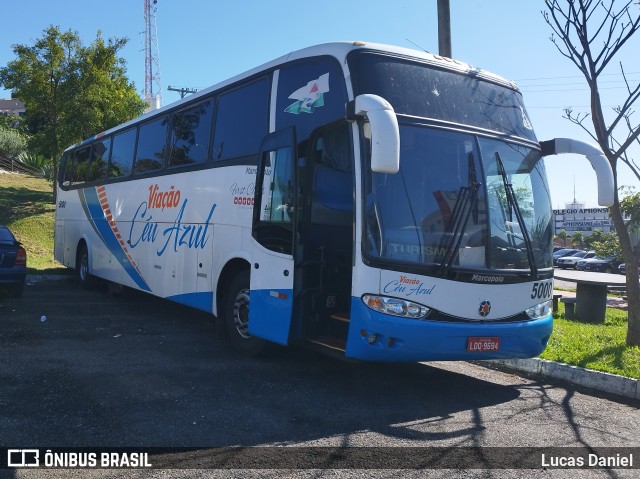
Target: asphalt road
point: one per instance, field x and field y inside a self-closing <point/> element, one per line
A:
<point x="132" y="370"/>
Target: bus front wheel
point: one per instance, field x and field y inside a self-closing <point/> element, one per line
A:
<point x="237" y="317"/>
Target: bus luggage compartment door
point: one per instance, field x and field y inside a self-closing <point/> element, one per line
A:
<point x="271" y="297"/>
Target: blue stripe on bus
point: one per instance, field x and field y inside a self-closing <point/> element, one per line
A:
<point x="202" y="301"/>
<point x="270" y="314"/>
<point x="97" y="218"/>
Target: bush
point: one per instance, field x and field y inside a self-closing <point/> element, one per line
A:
<point x="37" y="163"/>
<point x="12" y="143"/>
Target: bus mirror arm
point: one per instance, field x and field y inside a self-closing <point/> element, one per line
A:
<point x="598" y="161"/>
<point x="385" y="133"/>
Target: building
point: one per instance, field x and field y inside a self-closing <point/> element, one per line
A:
<point x="11" y="107"/>
<point x="575" y="217"/>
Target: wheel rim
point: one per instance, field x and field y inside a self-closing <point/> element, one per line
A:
<point x="84" y="267"/>
<point x="241" y="313"/>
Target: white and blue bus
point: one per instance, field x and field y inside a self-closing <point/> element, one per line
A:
<point x="372" y="202"/>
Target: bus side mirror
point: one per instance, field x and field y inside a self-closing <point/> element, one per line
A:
<point x="382" y="130"/>
<point x="598" y="161"/>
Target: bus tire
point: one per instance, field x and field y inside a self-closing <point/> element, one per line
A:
<point x="82" y="267"/>
<point x="236" y="315"/>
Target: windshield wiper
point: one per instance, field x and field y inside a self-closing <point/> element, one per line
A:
<point x="466" y="205"/>
<point x="512" y="205"/>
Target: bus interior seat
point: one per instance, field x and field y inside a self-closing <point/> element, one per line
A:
<point x="332" y="202"/>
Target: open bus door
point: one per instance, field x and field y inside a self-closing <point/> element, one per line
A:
<point x="272" y="270"/>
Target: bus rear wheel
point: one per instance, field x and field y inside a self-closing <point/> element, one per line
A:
<point x="236" y="315"/>
<point x="82" y="267"/>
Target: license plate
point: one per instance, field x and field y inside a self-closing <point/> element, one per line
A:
<point x="476" y="344"/>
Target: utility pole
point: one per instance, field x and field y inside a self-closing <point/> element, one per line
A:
<point x="444" y="29"/>
<point x="182" y="90"/>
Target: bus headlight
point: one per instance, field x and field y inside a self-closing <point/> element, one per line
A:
<point x="539" y="310"/>
<point x="395" y="306"/>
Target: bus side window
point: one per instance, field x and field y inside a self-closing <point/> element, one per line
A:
<point x="66" y="170"/>
<point x="190" y="134"/>
<point x="241" y="122"/>
<point x="278" y="207"/>
<point x="152" y="146"/>
<point x="80" y="165"/>
<point x="123" y="147"/>
<point x="98" y="161"/>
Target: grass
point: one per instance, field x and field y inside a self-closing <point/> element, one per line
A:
<point x="26" y="207"/>
<point x="601" y="347"/>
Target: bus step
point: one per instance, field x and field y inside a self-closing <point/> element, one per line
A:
<point x="341" y="317"/>
<point x="336" y="344"/>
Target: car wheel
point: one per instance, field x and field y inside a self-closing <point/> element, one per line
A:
<point x="236" y="314"/>
<point x="608" y="269"/>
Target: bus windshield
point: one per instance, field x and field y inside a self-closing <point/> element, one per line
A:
<point x="470" y="195"/>
<point x="421" y="90"/>
<point x="460" y="201"/>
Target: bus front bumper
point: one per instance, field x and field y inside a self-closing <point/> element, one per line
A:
<point x="375" y="336"/>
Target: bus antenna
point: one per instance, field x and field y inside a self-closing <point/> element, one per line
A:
<point x="416" y="45"/>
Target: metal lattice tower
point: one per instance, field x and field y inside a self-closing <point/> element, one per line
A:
<point x="152" y="84"/>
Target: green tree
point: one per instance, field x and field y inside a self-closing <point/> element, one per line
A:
<point x="594" y="237"/>
<point x="630" y="206"/>
<point x="70" y="91"/>
<point x="576" y="239"/>
<point x="107" y="97"/>
<point x="562" y="236"/>
<point x="590" y="34"/>
<point x="11" y="122"/>
<point x="609" y="246"/>
<point x="604" y="244"/>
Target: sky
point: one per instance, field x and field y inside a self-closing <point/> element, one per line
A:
<point x="202" y="42"/>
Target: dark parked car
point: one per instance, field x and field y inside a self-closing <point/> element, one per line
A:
<point x="563" y="252"/>
<point x="603" y="265"/>
<point x="622" y="269"/>
<point x="13" y="263"/>
<point x="580" y="265"/>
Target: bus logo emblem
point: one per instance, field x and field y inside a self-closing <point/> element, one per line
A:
<point x="309" y="96"/>
<point x="484" y="309"/>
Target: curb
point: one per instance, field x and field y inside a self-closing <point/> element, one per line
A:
<point x="605" y="382"/>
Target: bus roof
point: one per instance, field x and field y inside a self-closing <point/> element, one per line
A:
<point x="339" y="50"/>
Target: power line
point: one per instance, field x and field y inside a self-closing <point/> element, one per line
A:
<point x="571" y="86"/>
<point x="571" y="83"/>
<point x="529" y="107"/>
<point x="572" y="89"/>
<point x="573" y="76"/>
